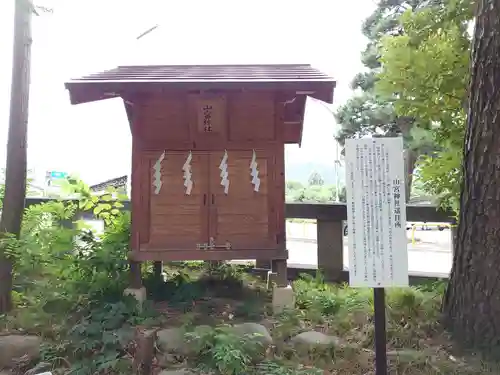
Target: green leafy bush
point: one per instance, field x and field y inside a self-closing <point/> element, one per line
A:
<point x="68" y="283"/>
<point x="223" y="350"/>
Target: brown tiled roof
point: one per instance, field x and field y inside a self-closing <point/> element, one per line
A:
<point x="198" y="73"/>
<point x="300" y="77"/>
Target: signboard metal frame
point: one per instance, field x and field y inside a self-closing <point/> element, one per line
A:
<point x="376" y="216"/>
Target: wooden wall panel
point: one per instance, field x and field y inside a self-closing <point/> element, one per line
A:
<point x="251" y="116"/>
<point x="163" y="118"/>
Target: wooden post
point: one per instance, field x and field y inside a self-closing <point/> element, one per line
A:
<point x="330" y="237"/>
<point x="135" y="275"/>
<point x="279" y="268"/>
<point x="15" y="172"/>
<point x="145" y="352"/>
<point x="135" y="267"/>
<point x="157" y="270"/>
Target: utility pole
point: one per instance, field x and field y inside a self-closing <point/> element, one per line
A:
<point x="15" y="172"/>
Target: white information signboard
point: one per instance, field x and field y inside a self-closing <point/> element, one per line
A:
<point x="376" y="212"/>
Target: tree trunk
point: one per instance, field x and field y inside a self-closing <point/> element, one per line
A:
<point x="471" y="306"/>
<point x="405" y="125"/>
<point x="15" y="172"/>
<point x="410" y="157"/>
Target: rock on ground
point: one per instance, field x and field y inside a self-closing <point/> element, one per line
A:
<point x="174" y="346"/>
<point x="313" y="338"/>
<point x="40" y="369"/>
<point x="176" y="372"/>
<point x="16" y="346"/>
<point x="254" y="331"/>
<point x="171" y="340"/>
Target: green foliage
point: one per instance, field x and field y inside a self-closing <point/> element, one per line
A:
<point x="276" y="368"/>
<point x="425" y="74"/>
<point x="182" y="289"/>
<point x="70" y="261"/>
<point x="60" y="270"/>
<point x="367" y="112"/>
<point x="104" y="206"/>
<point x="100" y="340"/>
<point x="441" y="176"/>
<point x="223" y="350"/>
<point x="317" y="192"/>
<point x="315" y="295"/>
<point x="376" y="108"/>
<point x="412" y="312"/>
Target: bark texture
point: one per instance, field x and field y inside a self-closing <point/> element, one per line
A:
<point x="472" y="302"/>
<point x="405" y="125"/>
<point x="410" y="158"/>
<point x="15" y="173"/>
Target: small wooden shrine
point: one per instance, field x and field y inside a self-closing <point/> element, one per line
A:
<point x="208" y="176"/>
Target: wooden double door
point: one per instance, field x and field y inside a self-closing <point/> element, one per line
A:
<point x="196" y="212"/>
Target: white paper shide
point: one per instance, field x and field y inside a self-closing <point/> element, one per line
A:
<point x="376" y="212"/>
<point x="254" y="172"/>
<point x="157" y="181"/>
<point x="188" y="174"/>
<point x="224" y="175"/>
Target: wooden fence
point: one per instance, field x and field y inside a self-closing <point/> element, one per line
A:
<point x="329" y="223"/>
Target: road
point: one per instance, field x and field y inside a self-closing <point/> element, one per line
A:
<point x="421" y="259"/>
<point x="431" y="253"/>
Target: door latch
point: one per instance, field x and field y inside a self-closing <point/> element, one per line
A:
<point x="212" y="245"/>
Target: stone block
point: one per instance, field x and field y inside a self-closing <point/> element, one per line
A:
<point x="283" y="299"/>
<point x="139" y="294"/>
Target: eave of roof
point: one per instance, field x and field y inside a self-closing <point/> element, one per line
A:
<point x="124" y="80"/>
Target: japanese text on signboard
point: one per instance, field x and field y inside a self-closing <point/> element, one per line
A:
<point x="376" y="217"/>
<point x="396" y="187"/>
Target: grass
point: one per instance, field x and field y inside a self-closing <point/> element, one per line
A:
<point x="100" y="340"/>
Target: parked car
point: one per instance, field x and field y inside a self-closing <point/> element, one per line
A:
<point x="428" y="226"/>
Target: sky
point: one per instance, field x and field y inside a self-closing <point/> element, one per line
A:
<point x="86" y="36"/>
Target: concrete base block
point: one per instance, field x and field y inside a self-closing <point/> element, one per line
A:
<point x="139" y="294"/>
<point x="283" y="299"/>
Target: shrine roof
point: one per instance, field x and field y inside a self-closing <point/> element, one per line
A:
<point x="114" y="82"/>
